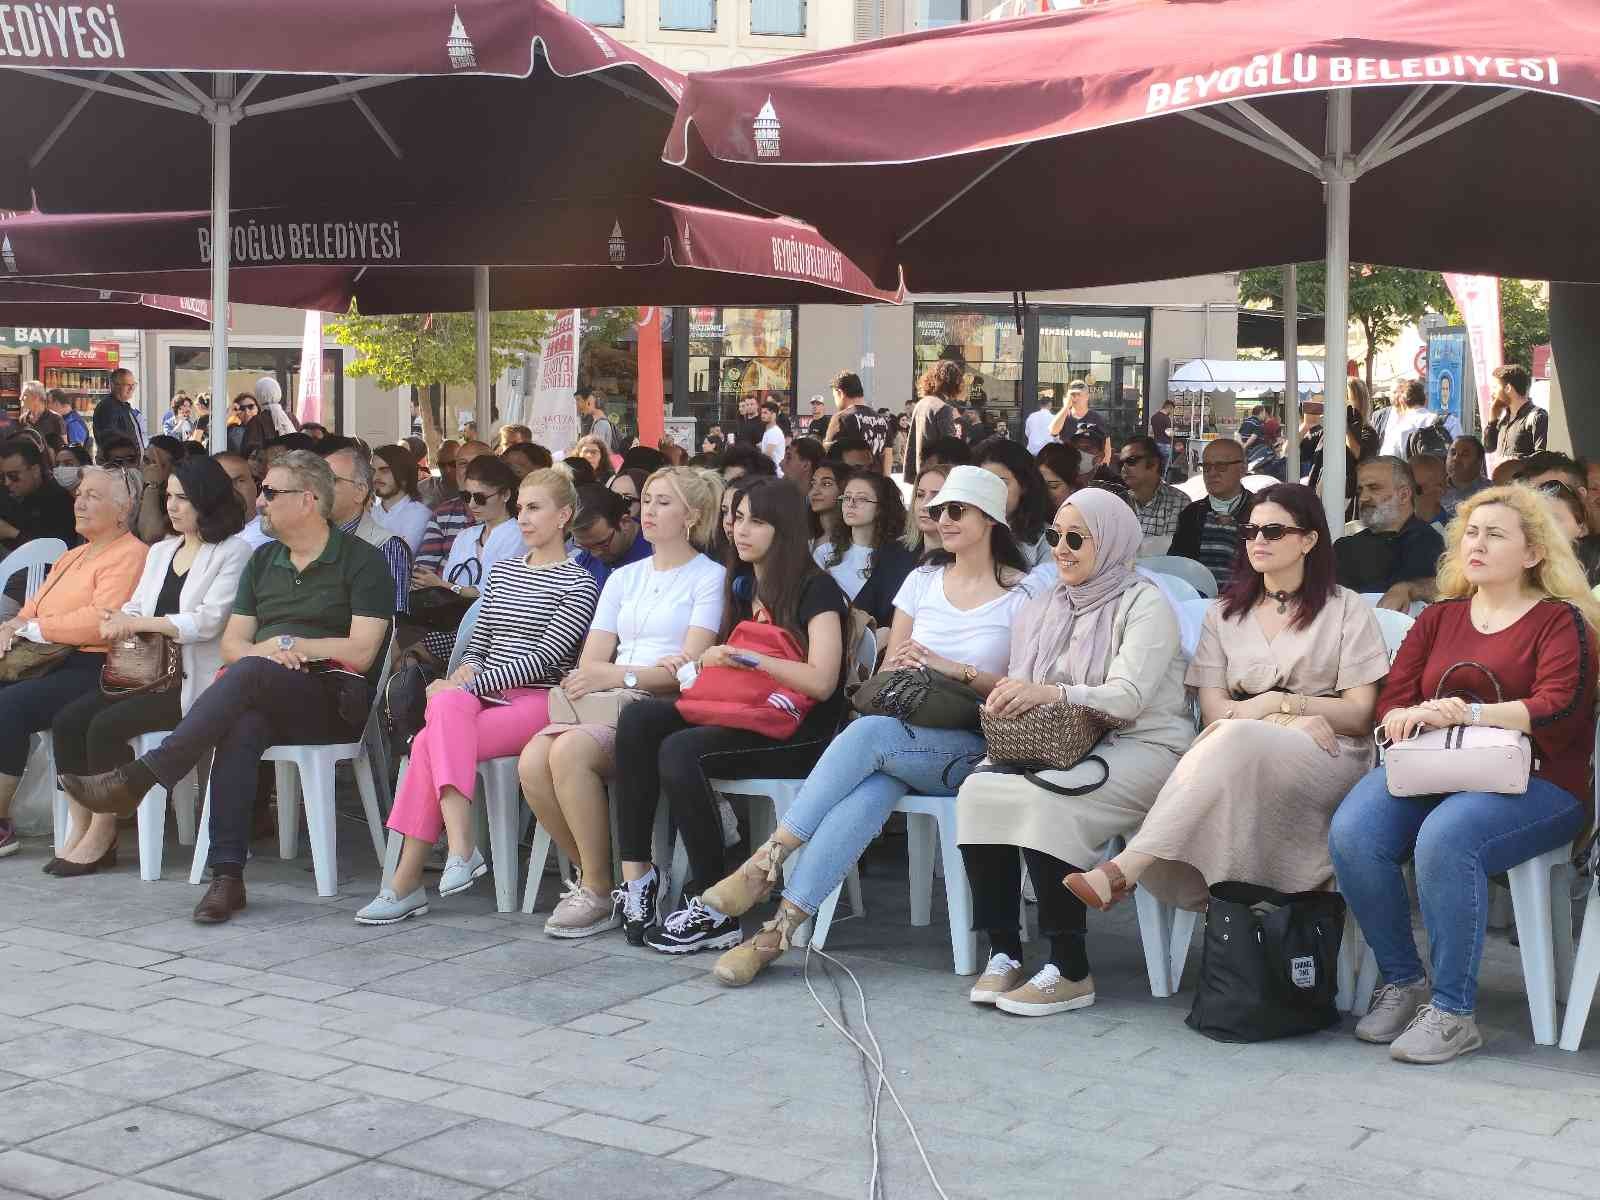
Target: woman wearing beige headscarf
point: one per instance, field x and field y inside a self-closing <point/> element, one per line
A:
<point x="1104" y="637"/>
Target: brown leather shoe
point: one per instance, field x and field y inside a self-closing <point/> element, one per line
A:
<point x="223" y="898"/>
<point x="107" y="792"/>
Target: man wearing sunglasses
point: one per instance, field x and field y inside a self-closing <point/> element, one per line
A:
<point x="1208" y="530"/>
<point x="34" y="504"/>
<point x="1395" y="552"/>
<point x="1552" y="472"/>
<point x="1156" y="503"/>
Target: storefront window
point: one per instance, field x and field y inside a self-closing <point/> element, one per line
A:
<point x="988" y="347"/>
<point x="738" y="352"/>
<point x="608" y="361"/>
<point x="191" y="372"/>
<point x="1106" y="351"/>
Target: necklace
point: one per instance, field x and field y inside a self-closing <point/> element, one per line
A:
<point x="1283" y="599"/>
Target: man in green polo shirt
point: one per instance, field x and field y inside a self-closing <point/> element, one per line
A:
<point x="302" y="649"/>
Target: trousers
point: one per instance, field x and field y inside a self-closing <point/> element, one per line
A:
<point x="30" y="705"/>
<point x="995" y="873"/>
<point x="460" y="732"/>
<point x="256" y="705"/>
<point x="91" y="734"/>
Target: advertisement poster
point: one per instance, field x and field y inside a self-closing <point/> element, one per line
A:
<point x="308" y="404"/>
<point x="1478" y="298"/>
<point x="552" y="412"/>
<point x="1447" y="354"/>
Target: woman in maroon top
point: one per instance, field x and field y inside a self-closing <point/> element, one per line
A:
<point x="1512" y="598"/>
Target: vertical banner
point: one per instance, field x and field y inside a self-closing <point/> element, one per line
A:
<point x="308" y="404"/>
<point x="1447" y="352"/>
<point x="552" y="411"/>
<point x="1478" y="298"/>
<point x="652" y="391"/>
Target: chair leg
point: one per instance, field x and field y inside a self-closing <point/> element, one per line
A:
<point x="202" y="840"/>
<point x="922" y="833"/>
<point x="60" y="818"/>
<point x="391" y="856"/>
<point x="289" y="796"/>
<point x="183" y="798"/>
<point x="1352" y="948"/>
<point x="1585" y="975"/>
<point x="815" y="931"/>
<point x="361" y="767"/>
<point x="1183" y="923"/>
<point x="502" y="812"/>
<point x="316" y="776"/>
<point x="1530" y="903"/>
<point x="958" y="901"/>
<point x="152" y="833"/>
<point x="1561" y="923"/>
<point x="852" y="888"/>
<point x="1366" y="979"/>
<point x="1155" y="932"/>
<point x="537" y="857"/>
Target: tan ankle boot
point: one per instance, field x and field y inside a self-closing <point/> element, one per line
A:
<point x="744" y="962"/>
<point x="751" y="883"/>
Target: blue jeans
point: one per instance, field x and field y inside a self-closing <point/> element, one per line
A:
<point x="1458" y="841"/>
<point x="855" y="786"/>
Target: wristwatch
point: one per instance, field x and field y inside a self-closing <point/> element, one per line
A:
<point x="285" y="641"/>
<point x="456" y="589"/>
<point x="629" y="679"/>
<point x="1477" y="711"/>
<point x="968" y="674"/>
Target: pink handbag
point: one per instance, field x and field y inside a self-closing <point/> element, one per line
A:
<point x="1462" y="758"/>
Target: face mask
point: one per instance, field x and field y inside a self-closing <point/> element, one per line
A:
<point x="67" y="477"/>
<point x="1087" y="463"/>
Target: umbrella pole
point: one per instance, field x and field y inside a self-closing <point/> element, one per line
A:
<point x="1338" y="170"/>
<point x="221" y="116"/>
<point x="1291" y="371"/>
<point x="480" y="326"/>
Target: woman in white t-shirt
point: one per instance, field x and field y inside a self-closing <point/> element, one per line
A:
<point x="953" y="616"/>
<point x="864" y="554"/>
<point x="653" y="615"/>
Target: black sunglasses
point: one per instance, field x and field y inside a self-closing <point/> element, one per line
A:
<point x="954" y="509"/>
<point x="272" y="493"/>
<point x="1554" y="487"/>
<point x="1074" y="540"/>
<point x="1133" y="460"/>
<point x="245" y="407"/>
<point x="1273" y="532"/>
<point x="478" y="498"/>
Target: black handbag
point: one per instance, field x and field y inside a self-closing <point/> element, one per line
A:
<point x="405" y="703"/>
<point x="437" y="609"/>
<point x="917" y="696"/>
<point x="1268" y="964"/>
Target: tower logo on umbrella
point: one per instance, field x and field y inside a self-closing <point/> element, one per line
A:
<point x="618" y="244"/>
<point x="462" y="55"/>
<point x="768" y="131"/>
<point x="7" y="256"/>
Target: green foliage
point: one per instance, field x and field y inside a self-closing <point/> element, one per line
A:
<point x="1524" y="319"/>
<point x="421" y="349"/>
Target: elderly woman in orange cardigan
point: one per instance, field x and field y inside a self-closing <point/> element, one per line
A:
<point x="85" y="582"/>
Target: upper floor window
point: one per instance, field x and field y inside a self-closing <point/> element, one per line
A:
<point x="698" y="15"/>
<point x="782" y="18"/>
<point x="932" y="14"/>
<point x="600" y="12"/>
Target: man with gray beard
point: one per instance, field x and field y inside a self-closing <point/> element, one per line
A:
<point x="1395" y="553"/>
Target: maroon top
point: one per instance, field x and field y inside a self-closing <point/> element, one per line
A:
<point x="1546" y="659"/>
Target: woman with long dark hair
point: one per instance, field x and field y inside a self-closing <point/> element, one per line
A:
<point x="1287" y="672"/>
<point x="1028" y="504"/>
<point x="771" y="578"/>
<point x="827" y="481"/>
<point x="952" y="617"/>
<point x="865" y="555"/>
<point x="1060" y="469"/>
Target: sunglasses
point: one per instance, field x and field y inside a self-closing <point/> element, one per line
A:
<point x="952" y="509"/>
<point x="244" y="408"/>
<point x="478" y="498"/>
<point x="272" y="493"/>
<point x="1550" y="487"/>
<point x="1272" y="533"/>
<point x="1074" y="540"/>
<point x="1133" y="460"/>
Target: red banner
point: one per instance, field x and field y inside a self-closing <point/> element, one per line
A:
<point x="652" y="393"/>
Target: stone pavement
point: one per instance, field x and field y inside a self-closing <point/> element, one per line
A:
<point x="295" y="1053"/>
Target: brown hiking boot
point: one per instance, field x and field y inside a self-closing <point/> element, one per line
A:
<point x="744" y="962"/>
<point x="751" y="883"/>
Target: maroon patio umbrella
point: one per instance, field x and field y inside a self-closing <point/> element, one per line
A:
<point x="54" y="306"/>
<point x="427" y="257"/>
<point x="108" y="106"/>
<point x="1142" y="139"/>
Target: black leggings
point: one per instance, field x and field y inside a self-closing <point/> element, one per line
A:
<point x="659" y="752"/>
<point x="995" y="873"/>
<point x="91" y="733"/>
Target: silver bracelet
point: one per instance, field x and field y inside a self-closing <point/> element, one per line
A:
<point x="1061" y="691"/>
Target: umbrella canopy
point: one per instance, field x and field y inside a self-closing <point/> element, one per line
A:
<point x="57" y="307"/>
<point x="423" y="257"/>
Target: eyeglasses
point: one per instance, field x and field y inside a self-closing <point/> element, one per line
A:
<point x="952" y="509"/>
<point x="478" y="498"/>
<point x="1133" y="460"/>
<point x="1211" y="467"/>
<point x="272" y="493"/>
<point x="123" y="460"/>
<point x="1272" y="533"/>
<point x="1074" y="539"/>
<point x="850" y="500"/>
<point x="594" y="545"/>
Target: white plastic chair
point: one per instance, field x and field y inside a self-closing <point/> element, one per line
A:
<point x="152" y="813"/>
<point x="33" y="557"/>
<point x="1585" y="972"/>
<point x="315" y="766"/>
<point x="1196" y="574"/>
<point x="1394" y="626"/>
<point x="1179" y="589"/>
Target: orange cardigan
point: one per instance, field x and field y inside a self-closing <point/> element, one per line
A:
<point x="69" y="604"/>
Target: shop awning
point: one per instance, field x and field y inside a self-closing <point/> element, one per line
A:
<point x="1243" y="377"/>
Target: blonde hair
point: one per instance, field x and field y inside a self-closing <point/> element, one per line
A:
<point x="912" y="538"/>
<point x="701" y="493"/>
<point x="1557" y="574"/>
<point x="557" y="484"/>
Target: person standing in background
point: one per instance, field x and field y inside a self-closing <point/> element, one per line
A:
<point x="592" y="406"/>
<point x="1161" y="433"/>
<point x="77" y="433"/>
<point x="1519" y="427"/>
<point x="855" y="417"/>
<point x="116" y="414"/>
<point x="36" y="416"/>
<point x="1037" y="427"/>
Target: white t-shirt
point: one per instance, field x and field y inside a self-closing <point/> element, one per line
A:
<point x="772" y="445"/>
<point x="980" y="636"/>
<point x="651" y="610"/>
<point x="408" y="519"/>
<point x="1037" y="428"/>
<point x="254" y="534"/>
<point x="468" y="545"/>
<point x="850" y="573"/>
<point x="1402" y="423"/>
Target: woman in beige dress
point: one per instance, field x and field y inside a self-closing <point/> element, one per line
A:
<point x="1287" y="672"/>
<point x="1104" y="637"/>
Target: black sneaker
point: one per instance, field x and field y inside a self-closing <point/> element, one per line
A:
<point x="640" y="908"/>
<point x="694" y="928"/>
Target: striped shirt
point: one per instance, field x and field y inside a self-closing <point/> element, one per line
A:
<point x="449" y="519"/>
<point x="530" y="625"/>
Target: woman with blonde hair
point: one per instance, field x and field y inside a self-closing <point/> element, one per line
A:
<point x="1510" y="643"/>
<point x="654" y="616"/>
<point x="922" y="530"/>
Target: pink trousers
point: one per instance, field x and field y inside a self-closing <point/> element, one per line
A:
<point x="460" y="732"/>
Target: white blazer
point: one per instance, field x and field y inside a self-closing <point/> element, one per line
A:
<point x="204" y="604"/>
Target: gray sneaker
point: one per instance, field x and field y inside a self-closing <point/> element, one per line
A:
<point x="582" y="913"/>
<point x="461" y="873"/>
<point x="1436" y="1036"/>
<point x="388" y="908"/>
<point x="1391" y="1010"/>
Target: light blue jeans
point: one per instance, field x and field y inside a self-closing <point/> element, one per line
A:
<point x="855" y="786"/>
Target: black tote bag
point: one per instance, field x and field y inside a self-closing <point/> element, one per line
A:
<point x="1269" y="964"/>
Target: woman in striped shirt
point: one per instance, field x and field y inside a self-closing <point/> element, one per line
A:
<point x="535" y="613"/>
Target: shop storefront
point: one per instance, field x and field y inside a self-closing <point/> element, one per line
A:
<point x="1008" y="368"/>
<point x="189" y="370"/>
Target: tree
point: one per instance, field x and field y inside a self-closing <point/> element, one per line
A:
<point x="1524" y="319"/>
<point x="423" y="349"/>
<point x="1383" y="300"/>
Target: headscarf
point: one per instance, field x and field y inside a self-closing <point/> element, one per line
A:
<point x="269" y="395"/>
<point x="1116" y="535"/>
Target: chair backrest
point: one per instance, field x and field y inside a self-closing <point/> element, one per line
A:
<point x="1179" y="590"/>
<point x="463" y="633"/>
<point x="1394" y="627"/>
<point x="1191" y="619"/>
<point x="865" y="660"/>
<point x="1197" y="575"/>
<point x="33" y="557"/>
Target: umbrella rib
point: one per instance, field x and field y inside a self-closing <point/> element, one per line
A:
<point x="331" y="94"/>
<point x="250" y="86"/>
<point x="1388" y="131"/>
<point x="111" y="89"/>
<point x="62" y="125"/>
<point x="188" y="85"/>
<point x="1261" y="145"/>
<point x="377" y="125"/>
<point x="1276" y="134"/>
<point x="1472" y="114"/>
<point x="1370" y="156"/>
<point x="976" y="180"/>
<point x="149" y="85"/>
<point x="634" y="93"/>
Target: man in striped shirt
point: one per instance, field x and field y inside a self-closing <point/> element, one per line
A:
<point x="1208" y="530"/>
<point x="450" y="516"/>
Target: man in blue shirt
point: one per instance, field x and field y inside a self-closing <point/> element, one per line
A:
<point x="604" y="533"/>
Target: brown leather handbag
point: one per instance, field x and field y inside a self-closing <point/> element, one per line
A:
<point x="141" y="664"/>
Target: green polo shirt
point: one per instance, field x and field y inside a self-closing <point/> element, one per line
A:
<point x="348" y="579"/>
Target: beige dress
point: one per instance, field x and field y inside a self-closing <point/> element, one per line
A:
<point x="1144" y="685"/>
<point x="1251" y="801"/>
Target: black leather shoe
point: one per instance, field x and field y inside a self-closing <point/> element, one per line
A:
<point x="108" y="792"/>
<point x="67" y="869"/>
<point x="223" y="898"/>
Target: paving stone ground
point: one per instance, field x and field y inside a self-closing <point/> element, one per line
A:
<point x="293" y="1053"/>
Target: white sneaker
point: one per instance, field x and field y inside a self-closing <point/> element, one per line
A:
<point x="1001" y="975"/>
<point x="582" y="913"/>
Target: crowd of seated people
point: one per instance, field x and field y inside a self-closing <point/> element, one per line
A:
<point x="288" y="571"/>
